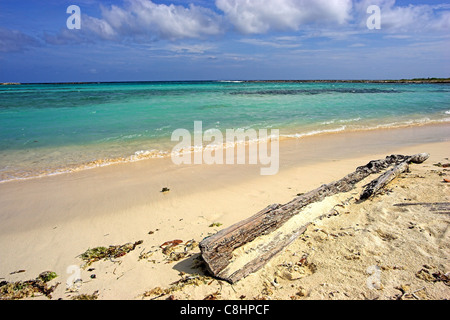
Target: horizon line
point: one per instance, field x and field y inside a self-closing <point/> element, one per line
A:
<point x="416" y="80"/>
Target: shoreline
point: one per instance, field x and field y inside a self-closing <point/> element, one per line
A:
<point x="47" y="223"/>
<point x="143" y="155"/>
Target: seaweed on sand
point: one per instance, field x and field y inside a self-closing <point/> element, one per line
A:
<point x="215" y="224"/>
<point x="170" y="247"/>
<point x="95" y="254"/>
<point x="83" y="296"/>
<point x="30" y="288"/>
<point x="186" y="280"/>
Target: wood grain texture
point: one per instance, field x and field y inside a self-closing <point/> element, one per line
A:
<point x="217" y="250"/>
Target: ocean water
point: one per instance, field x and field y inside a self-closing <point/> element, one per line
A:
<point x="54" y="128"/>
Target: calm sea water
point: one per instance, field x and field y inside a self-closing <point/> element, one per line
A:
<point x="46" y="129"/>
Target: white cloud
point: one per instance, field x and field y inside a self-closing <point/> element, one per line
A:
<point x="191" y="48"/>
<point x="260" y="16"/>
<point x="15" y="41"/>
<point x="275" y="43"/>
<point x="147" y="20"/>
<point x="411" y="18"/>
<point x="143" y="21"/>
<point x="99" y="27"/>
<point x="357" y="45"/>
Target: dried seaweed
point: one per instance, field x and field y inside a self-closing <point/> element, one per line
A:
<point x="215" y="224"/>
<point x="95" y="254"/>
<point x="439" y="276"/>
<point x="169" y="246"/>
<point x="172" y="255"/>
<point x="93" y="296"/>
<point x="145" y="255"/>
<point x="213" y="296"/>
<point x="47" y="276"/>
<point x="30" y="288"/>
<point x="189" y="280"/>
<point x="427" y="275"/>
<point x="176" y="256"/>
<point x="442" y="165"/>
<point x="156" y="293"/>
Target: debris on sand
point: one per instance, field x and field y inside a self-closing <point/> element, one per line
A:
<point x="406" y="293"/>
<point x="442" y="165"/>
<point x="30" y="288"/>
<point x="93" y="296"/>
<point x="18" y="271"/>
<point x="427" y="275"/>
<point x="169" y="247"/>
<point x="186" y="280"/>
<point x="47" y="276"/>
<point x="213" y="296"/>
<point x="215" y="224"/>
<point x="95" y="254"/>
<point x="295" y="271"/>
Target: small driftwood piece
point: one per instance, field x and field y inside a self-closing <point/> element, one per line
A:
<point x="217" y="250"/>
<point x="426" y="204"/>
<point x="435" y="207"/>
<point x="379" y="183"/>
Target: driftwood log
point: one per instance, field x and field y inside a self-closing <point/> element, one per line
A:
<point x="376" y="185"/>
<point x="217" y="250"/>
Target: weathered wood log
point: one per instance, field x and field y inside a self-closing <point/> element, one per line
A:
<point x="379" y="183"/>
<point x="418" y="158"/>
<point x="217" y="250"/>
<point x="266" y="252"/>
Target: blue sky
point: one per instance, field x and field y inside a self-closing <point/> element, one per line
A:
<point x="144" y="40"/>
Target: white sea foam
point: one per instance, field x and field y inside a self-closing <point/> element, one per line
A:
<point x="349" y="120"/>
<point x="130" y="136"/>
<point x="328" y="122"/>
<point x="147" y="154"/>
<point x="341" y="121"/>
<point x="314" y="132"/>
<point x="154" y="153"/>
<point x="348" y="127"/>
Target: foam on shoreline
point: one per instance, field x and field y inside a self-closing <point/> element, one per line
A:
<point x="344" y="127"/>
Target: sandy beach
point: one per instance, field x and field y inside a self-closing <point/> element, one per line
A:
<point x="370" y="250"/>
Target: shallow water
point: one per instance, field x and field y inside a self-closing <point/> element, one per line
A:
<point x="52" y="128"/>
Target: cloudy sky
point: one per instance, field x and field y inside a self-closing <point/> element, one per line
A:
<point x="140" y="40"/>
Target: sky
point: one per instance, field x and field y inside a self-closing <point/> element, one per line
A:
<point x="166" y="40"/>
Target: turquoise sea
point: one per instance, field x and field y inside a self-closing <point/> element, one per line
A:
<point x="53" y="128"/>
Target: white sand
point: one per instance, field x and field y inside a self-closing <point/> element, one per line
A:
<point x="46" y="223"/>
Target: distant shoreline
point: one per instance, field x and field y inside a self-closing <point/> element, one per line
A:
<point x="432" y="80"/>
<point x="415" y="81"/>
